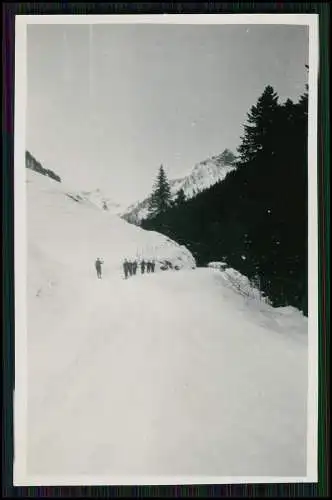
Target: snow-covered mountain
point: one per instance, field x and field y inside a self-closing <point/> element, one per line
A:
<point x="95" y="197"/>
<point x="204" y="174"/>
<point x="101" y="200"/>
<point x="33" y="164"/>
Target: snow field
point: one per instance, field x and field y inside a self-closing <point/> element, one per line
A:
<point x="172" y="373"/>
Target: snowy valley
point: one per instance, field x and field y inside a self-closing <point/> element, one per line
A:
<point x="174" y="373"/>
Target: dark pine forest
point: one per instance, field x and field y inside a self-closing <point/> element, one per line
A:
<point x="256" y="219"/>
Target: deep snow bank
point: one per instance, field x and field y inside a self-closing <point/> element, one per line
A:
<point x="286" y="319"/>
<point x="239" y="282"/>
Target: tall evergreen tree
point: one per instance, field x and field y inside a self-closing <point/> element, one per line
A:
<point x="160" y="199"/>
<point x="261" y="119"/>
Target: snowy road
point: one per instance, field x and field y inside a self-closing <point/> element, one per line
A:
<point x="175" y="373"/>
<point x="172" y="373"/>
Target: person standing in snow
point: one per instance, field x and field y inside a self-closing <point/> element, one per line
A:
<point x="134" y="267"/>
<point x="142" y="267"/>
<point x="125" y="268"/>
<point x="130" y="268"/>
<point x="148" y="266"/>
<point x="153" y="265"/>
<point x="98" y="264"/>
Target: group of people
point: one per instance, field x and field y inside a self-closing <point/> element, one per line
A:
<point x="130" y="267"/>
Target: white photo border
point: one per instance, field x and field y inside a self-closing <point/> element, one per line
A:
<point x="21" y="478"/>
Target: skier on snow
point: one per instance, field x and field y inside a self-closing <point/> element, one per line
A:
<point x="98" y="264"/>
<point x="142" y="267"/>
<point x="126" y="268"/>
<point x="130" y="266"/>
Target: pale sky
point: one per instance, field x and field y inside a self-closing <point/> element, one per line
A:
<point x="107" y="104"/>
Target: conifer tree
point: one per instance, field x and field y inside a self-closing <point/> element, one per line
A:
<point x="261" y="118"/>
<point x="160" y="199"/>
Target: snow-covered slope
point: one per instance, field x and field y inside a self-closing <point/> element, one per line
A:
<point x="172" y="373"/>
<point x="74" y="231"/>
<point x="204" y="174"/>
<point x="101" y="200"/>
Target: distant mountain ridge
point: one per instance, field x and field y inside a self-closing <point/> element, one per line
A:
<point x="204" y="175"/>
<point x="33" y="164"/>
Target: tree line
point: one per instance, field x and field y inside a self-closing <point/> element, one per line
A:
<point x="255" y="220"/>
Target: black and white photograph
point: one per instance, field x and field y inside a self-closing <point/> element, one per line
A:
<point x="165" y="249"/>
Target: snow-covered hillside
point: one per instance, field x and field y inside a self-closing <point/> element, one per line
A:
<point x="101" y="200"/>
<point x="204" y="174"/>
<point x="172" y="373"/>
<point x="74" y="231"/>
